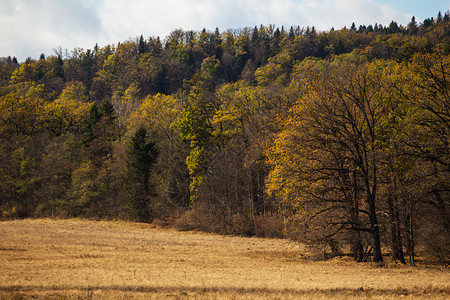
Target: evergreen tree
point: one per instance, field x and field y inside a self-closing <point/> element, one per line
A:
<point x="446" y="16"/>
<point x="94" y="115"/>
<point x="143" y="46"/>
<point x="142" y="154"/>
<point x="291" y="33"/>
<point x="412" y="26"/>
<point x="57" y="69"/>
<point x="107" y="109"/>
<point x="161" y="80"/>
<point x="439" y="17"/>
<point x="393" y="27"/>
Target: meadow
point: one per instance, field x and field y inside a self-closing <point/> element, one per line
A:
<point x="59" y="259"/>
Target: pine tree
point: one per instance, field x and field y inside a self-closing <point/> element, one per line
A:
<point x="94" y="115"/>
<point x="439" y="17"/>
<point x="107" y="109"/>
<point x="143" y="46"/>
<point x="291" y="33"/>
<point x="142" y="154"/>
<point x="58" y="68"/>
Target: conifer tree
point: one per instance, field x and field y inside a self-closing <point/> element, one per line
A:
<point x="94" y="115"/>
<point x="142" y="153"/>
<point x="143" y="46"/>
<point x="412" y="26"/>
<point x="107" y="109"/>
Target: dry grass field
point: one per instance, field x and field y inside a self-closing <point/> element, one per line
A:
<point x="81" y="259"/>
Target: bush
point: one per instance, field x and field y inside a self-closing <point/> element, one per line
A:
<point x="436" y="242"/>
<point x="198" y="218"/>
<point x="270" y="227"/>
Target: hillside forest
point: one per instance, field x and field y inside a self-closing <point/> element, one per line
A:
<point x="337" y="139"/>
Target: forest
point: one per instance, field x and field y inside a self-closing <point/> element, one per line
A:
<point x="337" y="139"/>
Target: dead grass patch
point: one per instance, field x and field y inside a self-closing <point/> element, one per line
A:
<point x="98" y="259"/>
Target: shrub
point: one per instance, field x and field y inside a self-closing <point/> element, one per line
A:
<point x="271" y="227"/>
<point x="198" y="218"/>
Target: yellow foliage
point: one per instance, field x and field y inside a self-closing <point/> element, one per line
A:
<point x="157" y="113"/>
<point x="68" y="110"/>
<point x="22" y="111"/>
<point x="225" y="123"/>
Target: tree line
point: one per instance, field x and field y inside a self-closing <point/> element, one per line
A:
<point x="338" y="139"/>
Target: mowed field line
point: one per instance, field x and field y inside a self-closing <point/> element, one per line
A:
<point x="73" y="258"/>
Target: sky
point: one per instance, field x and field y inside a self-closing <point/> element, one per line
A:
<point x="31" y="27"/>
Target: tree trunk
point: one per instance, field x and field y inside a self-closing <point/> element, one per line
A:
<point x="357" y="247"/>
<point x="396" y="243"/>
<point x="374" y="226"/>
<point x="258" y="209"/>
<point x="411" y="242"/>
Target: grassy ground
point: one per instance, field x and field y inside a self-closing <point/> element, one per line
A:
<point x="120" y="260"/>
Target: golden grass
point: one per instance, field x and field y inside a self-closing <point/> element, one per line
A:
<point x="90" y="259"/>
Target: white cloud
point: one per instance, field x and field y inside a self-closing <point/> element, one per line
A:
<point x="340" y="13"/>
<point x="124" y="19"/>
<point x="29" y="27"/>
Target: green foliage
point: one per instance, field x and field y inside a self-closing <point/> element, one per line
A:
<point x="93" y="116"/>
<point x="278" y="69"/>
<point x="107" y="109"/>
<point x="83" y="190"/>
<point x="143" y="46"/>
<point x="142" y="154"/>
<point x="194" y="128"/>
<point x="112" y="69"/>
